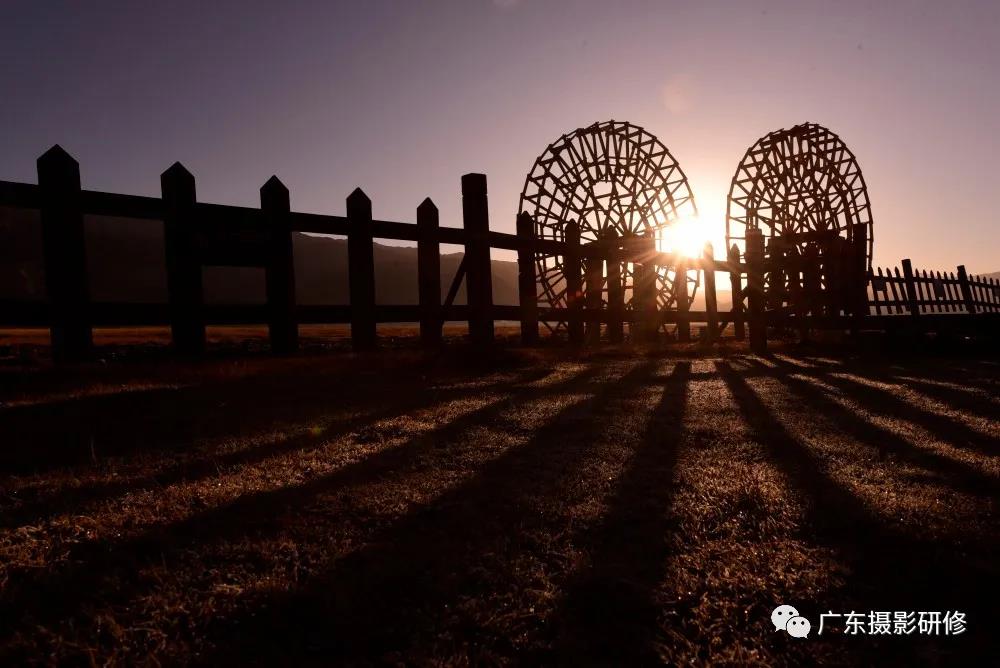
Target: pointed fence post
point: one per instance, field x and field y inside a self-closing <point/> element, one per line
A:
<point x="755" y="291"/>
<point x="64" y="251"/>
<point x="594" y="288"/>
<point x="859" y="267"/>
<point x="429" y="273"/>
<point x="527" y="288"/>
<point x="683" y="307"/>
<point x="574" y="284"/>
<point x="644" y="288"/>
<point x="479" y="271"/>
<point x="282" y="324"/>
<point x="812" y="289"/>
<point x="966" y="287"/>
<point x="183" y="259"/>
<point x="711" y="302"/>
<point x="616" y="291"/>
<point x="736" y="285"/>
<point x="912" y="299"/>
<point x="361" y="269"/>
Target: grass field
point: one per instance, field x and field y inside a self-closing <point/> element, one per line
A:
<point x="619" y="506"/>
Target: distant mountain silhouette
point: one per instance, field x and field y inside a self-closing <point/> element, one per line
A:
<point x="126" y="263"/>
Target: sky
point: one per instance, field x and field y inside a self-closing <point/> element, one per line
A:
<point x="402" y="98"/>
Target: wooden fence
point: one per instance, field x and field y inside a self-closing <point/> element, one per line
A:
<point x="771" y="286"/>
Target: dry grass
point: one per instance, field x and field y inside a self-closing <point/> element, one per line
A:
<point x="612" y="507"/>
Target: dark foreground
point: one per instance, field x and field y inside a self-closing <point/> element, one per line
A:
<point x="535" y="508"/>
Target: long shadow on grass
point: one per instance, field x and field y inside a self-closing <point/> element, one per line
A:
<point x="972" y="400"/>
<point x="109" y="570"/>
<point x="211" y="464"/>
<point x="890" y="570"/>
<point x="950" y="471"/>
<point x="410" y="587"/>
<point x="946" y="428"/>
<point x="608" y="615"/>
<point x="85" y="430"/>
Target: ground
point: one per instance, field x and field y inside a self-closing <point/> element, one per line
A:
<point x="616" y="506"/>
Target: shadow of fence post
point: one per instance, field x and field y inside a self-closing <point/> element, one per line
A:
<point x="64" y="252"/>
<point x="183" y="259"/>
<point x="283" y="328"/>
<point x="527" y="290"/>
<point x="478" y="271"/>
<point x="361" y="270"/>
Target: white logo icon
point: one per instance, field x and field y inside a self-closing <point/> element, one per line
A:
<point x="798" y="627"/>
<point x="781" y="615"/>
<point x="787" y="618"/>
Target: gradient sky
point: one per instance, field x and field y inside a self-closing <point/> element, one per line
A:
<point x="403" y="97"/>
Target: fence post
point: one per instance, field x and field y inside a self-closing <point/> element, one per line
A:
<point x="361" y="269"/>
<point x="711" y="302"/>
<point x="594" y="288"/>
<point x="616" y="292"/>
<point x="755" y="291"/>
<point x="527" y="288"/>
<point x="912" y="302"/>
<point x="966" y="287"/>
<point x="683" y="307"/>
<point x="799" y="305"/>
<point x="184" y="282"/>
<point x="574" y="283"/>
<point x="859" y="266"/>
<point x="429" y="273"/>
<point x="65" y="256"/>
<point x="736" y="285"/>
<point x="283" y="326"/>
<point x="811" y="285"/>
<point x="478" y="270"/>
<point x="644" y="289"/>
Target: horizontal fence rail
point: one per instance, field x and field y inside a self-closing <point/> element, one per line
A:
<point x="772" y="285"/>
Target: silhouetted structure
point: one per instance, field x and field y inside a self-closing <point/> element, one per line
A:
<point x="826" y="286"/>
<point x="613" y="180"/>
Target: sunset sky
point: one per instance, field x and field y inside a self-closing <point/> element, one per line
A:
<point x="402" y="98"/>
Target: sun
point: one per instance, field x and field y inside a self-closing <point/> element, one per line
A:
<point x="684" y="236"/>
